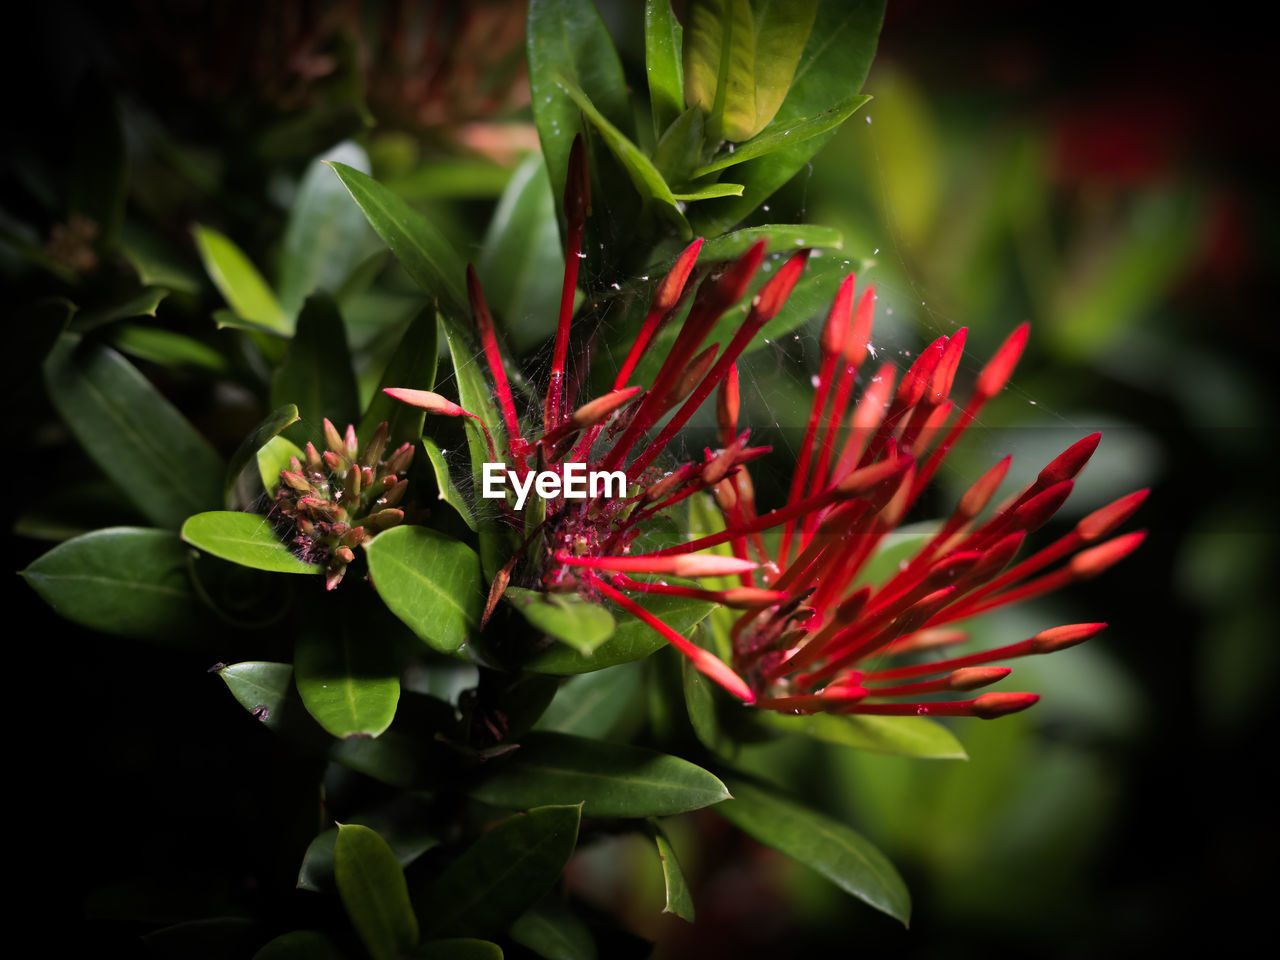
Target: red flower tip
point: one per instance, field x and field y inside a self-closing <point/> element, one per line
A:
<point x="971" y="678"/>
<point x="774" y="294"/>
<point x="752" y="598"/>
<point x="1070" y="462"/>
<point x="690" y="377"/>
<point x="1000" y="367"/>
<point x="1059" y="638"/>
<point x="680" y="565"/>
<point x="848" y="609"/>
<point x="979" y="495"/>
<point x="672" y="286"/>
<point x="839" y="318"/>
<point x="992" y="705"/>
<point x="855" y="344"/>
<point x="1101" y="522"/>
<point x="920" y="374"/>
<point x="599" y="409"/>
<point x="945" y="374"/>
<point x="724" y="290"/>
<point x="1091" y="562"/>
<point x="727" y="406"/>
<point x="1037" y="511"/>
<point x="577" y="187"/>
<point x="425" y="399"/>
<point x="857" y="483"/>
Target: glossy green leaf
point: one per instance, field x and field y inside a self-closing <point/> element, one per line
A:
<point x="719" y="65"/>
<point x="700" y="702"/>
<point x="662" y="63"/>
<point x="782" y="29"/>
<point x="407" y="842"/>
<point x="374" y="892"/>
<point x="907" y="736"/>
<point x="471" y="177"/>
<point x="567" y="38"/>
<point x="610" y="780"/>
<point x="502" y="873"/>
<point x="274" y="456"/>
<point x="521" y="264"/>
<point x="156" y="262"/>
<point x="347" y="674"/>
<point x="448" y="490"/>
<point x="316" y="374"/>
<point x="251" y="447"/>
<point x="592" y="704"/>
<point x="267" y="691"/>
<point x="551" y="930"/>
<point x="679" y="900"/>
<point x="430" y="581"/>
<point x="797" y="132"/>
<point x="326" y="235"/>
<point x="413" y="365"/>
<point x="420" y="247"/>
<point x="644" y="175"/>
<point x="133" y="433"/>
<point x="567" y="617"/>
<point x="679" y="149"/>
<point x="167" y="348"/>
<point x="244" y="538"/>
<point x="458" y="948"/>
<point x="632" y="640"/>
<point x="299" y="945"/>
<point x="832" y="67"/>
<point x="777" y="237"/>
<point x="476" y="396"/>
<point x="711" y="191"/>
<point x="240" y="283"/>
<point x="142" y="304"/>
<point x="121" y="580"/>
<point x="840" y="854"/>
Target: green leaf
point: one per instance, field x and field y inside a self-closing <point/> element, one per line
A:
<point x="679" y="900"/>
<point x="267" y="691"/>
<point x="797" y="132"/>
<point x="347" y="675"/>
<point x="374" y="892"/>
<point x="408" y="843"/>
<point x="299" y="945"/>
<point x="252" y="445"/>
<point x="138" y="439"/>
<point x="906" y="736"/>
<point x="449" y="491"/>
<point x="325" y="236"/>
<point x="840" y="854"/>
<point x="679" y="149"/>
<point x="142" y="304"/>
<point x="567" y="38"/>
<point x="832" y="67"/>
<point x="567" y="617"/>
<point x="155" y="262"/>
<point x="632" y="640"/>
<point x="591" y="704"/>
<point x="122" y="580"/>
<point x="240" y="283"/>
<point x="777" y="237"/>
<point x="610" y="780"/>
<point x="476" y="396"/>
<point x="458" y="948"/>
<point x="521" y="264"/>
<point x="244" y="538"/>
<point x="420" y="247"/>
<point x="430" y="581"/>
<point x="502" y="873"/>
<point x="273" y="457"/>
<point x="644" y="175"/>
<point x="782" y="29"/>
<point x="551" y="930"/>
<point x="719" y="66"/>
<point x="167" y="348"/>
<point x="700" y="701"/>
<point x="413" y="365"/>
<point x="662" y="63"/>
<point x="711" y="191"/>
<point x="316" y="374"/>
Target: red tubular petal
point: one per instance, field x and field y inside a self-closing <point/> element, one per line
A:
<point x="839" y="318"/>
<point x="855" y="344"/>
<point x="727" y="406"/>
<point x="945" y="373"/>
<point x="1101" y="522"/>
<point x="1070" y="462"/>
<point x="1000" y="367"/>
<point x="1091" y="562"/>
<point x="992" y="705"/>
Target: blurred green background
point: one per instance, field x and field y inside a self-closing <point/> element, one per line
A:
<point x="1101" y="170"/>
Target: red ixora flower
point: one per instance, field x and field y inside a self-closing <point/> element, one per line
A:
<point x="805" y="633"/>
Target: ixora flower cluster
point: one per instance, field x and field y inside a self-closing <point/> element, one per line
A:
<point x="805" y="632"/>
